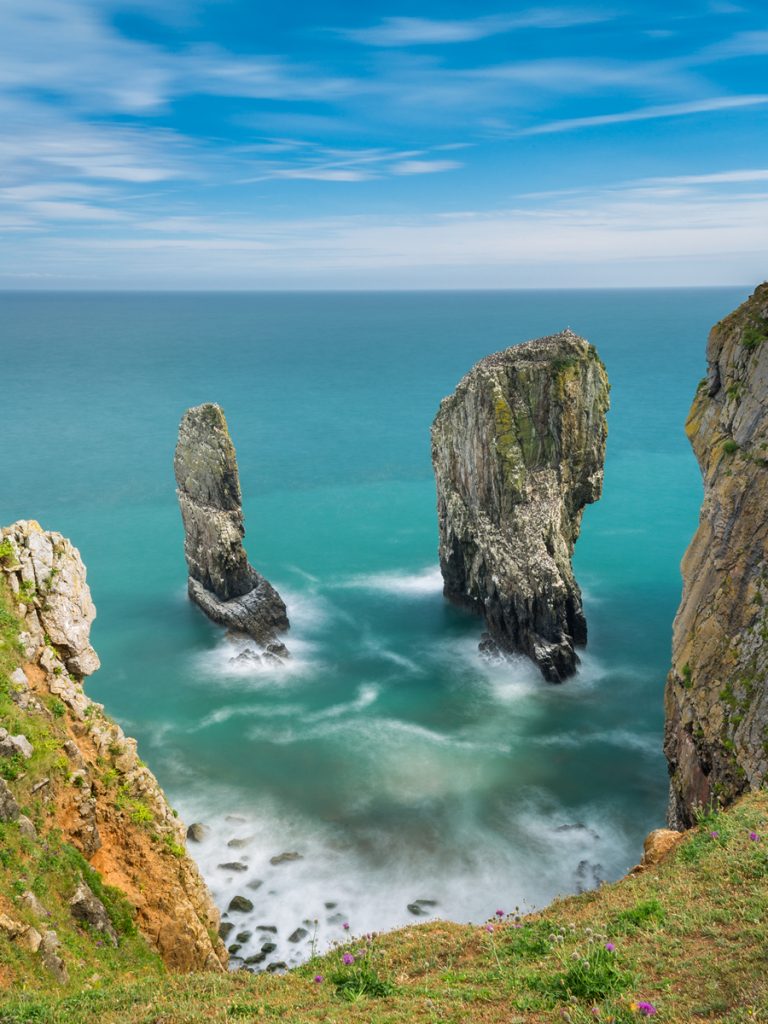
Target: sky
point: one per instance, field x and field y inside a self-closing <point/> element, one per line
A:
<point x="177" y="144"/>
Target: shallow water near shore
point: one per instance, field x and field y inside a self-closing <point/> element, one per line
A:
<point x="397" y="763"/>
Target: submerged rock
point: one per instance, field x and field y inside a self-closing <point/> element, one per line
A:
<point x="518" y="451"/>
<point x="221" y="580"/>
<point x="285" y="858"/>
<point x="716" y="702"/>
<point x="241" y="904"/>
<point x="197" y="832"/>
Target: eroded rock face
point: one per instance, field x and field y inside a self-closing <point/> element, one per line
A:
<point x="518" y="451"/>
<point x="221" y="581"/>
<point x="716" y="732"/>
<point x="137" y="842"/>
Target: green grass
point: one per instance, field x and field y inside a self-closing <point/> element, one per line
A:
<point x="49" y="866"/>
<point x="688" y="936"/>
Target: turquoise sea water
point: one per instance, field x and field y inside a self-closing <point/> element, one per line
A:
<point x="396" y="762"/>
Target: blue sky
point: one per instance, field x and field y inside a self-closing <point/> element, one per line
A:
<point x="229" y="144"/>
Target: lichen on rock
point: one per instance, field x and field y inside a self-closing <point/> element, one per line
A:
<point x="716" y="702"/>
<point x="518" y="451"/>
<point x="221" y="580"/>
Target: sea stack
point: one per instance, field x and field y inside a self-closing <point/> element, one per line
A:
<point x="221" y="581"/>
<point x="518" y="451"/>
<point x="716" y="729"/>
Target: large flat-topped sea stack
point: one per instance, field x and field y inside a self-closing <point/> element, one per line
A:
<point x="518" y="451"/>
<point x="221" y="581"/>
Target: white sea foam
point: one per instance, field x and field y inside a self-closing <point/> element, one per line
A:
<point x="309" y="614"/>
<point x="426" y="583"/>
<point x="370" y="876"/>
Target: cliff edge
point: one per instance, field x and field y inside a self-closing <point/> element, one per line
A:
<point x="518" y="451"/>
<point x="716" y="703"/>
<point x="81" y="816"/>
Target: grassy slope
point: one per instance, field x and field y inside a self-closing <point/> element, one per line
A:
<point x="48" y="866"/>
<point x="689" y="936"/>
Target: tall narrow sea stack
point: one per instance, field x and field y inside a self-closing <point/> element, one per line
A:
<point x="716" y="733"/>
<point x="221" y="581"/>
<point x="518" y="451"/>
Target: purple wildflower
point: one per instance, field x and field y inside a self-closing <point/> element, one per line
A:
<point x="319" y="979"/>
<point x="348" y="959"/>
<point x="646" y="1009"/>
<point x="499" y="913"/>
<point x="754" y="837"/>
<point x="345" y="926"/>
<point x="715" y="835"/>
<point x="610" y="947"/>
<point x="489" y="927"/>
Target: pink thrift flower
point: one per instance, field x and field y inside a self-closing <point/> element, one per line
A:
<point x="646" y="1009"/>
<point x="319" y="979"/>
<point x="610" y="947"/>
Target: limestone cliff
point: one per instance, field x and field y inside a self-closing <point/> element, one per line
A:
<point x="221" y="581"/>
<point x="716" y="737"/>
<point x="518" y="451"/>
<point x="76" y="771"/>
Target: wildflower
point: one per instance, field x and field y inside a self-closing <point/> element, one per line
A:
<point x="574" y="956"/>
<point x="489" y="927"/>
<point x="572" y="926"/>
<point x="585" y="964"/>
<point x="560" y="938"/>
<point x="345" y="926"/>
<point x="610" y="947"/>
<point x="754" y="837"/>
<point x="348" y="959"/>
<point x="319" y="979"/>
<point x="595" y="1011"/>
<point x="587" y="931"/>
<point x="646" y="1009"/>
<point x="499" y="913"/>
<point x="714" y="835"/>
<point x="552" y="937"/>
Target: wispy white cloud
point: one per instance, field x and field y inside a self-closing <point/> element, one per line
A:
<point x="322" y="174"/>
<point x="404" y="31"/>
<point x="406" y="167"/>
<point x="742" y="44"/>
<point x="633" y="233"/>
<point x="719" y="178"/>
<point x="714" y="103"/>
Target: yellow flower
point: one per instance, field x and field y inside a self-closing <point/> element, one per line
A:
<point x="633" y="1007"/>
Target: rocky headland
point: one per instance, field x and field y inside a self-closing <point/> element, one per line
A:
<point x="518" y="451"/>
<point x="716" y="734"/>
<point x="221" y="580"/>
<point x="100" y="850"/>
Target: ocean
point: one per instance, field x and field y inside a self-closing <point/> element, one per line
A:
<point x="396" y="763"/>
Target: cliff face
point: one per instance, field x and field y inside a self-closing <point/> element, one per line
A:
<point x="518" y="451"/>
<point x="716" y="735"/>
<point x="221" y="581"/>
<point x="76" y="771"/>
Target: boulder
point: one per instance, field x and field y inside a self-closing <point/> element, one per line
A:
<point x="9" y="809"/>
<point x="658" y="844"/>
<point x="240" y="905"/>
<point x="89" y="909"/>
